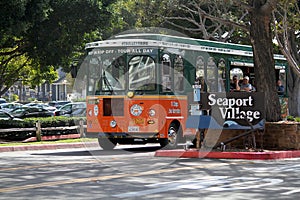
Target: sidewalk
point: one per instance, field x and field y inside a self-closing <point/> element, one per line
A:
<point x="178" y="153"/>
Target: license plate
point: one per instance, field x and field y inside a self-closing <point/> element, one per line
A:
<point x="133" y="129"/>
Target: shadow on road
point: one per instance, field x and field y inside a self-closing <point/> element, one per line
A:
<point x="93" y="152"/>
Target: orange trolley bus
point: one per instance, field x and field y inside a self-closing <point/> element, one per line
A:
<point x="140" y="86"/>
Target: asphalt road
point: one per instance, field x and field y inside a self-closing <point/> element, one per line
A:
<point x="132" y="172"/>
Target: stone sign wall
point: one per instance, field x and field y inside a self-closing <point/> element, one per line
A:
<point x="277" y="136"/>
<point x="282" y="136"/>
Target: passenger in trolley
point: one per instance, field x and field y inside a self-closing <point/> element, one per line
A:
<point x="246" y="86"/>
<point x="234" y="85"/>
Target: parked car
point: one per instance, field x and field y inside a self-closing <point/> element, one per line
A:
<point x="2" y="100"/>
<point x="26" y="112"/>
<point x="77" y="109"/>
<point x="7" y="116"/>
<point x="58" y="104"/>
<point x="10" y="106"/>
<point x="41" y="105"/>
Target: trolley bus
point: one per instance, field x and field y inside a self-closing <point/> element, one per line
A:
<point x="140" y="86"/>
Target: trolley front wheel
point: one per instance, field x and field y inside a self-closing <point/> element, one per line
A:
<point x="107" y="144"/>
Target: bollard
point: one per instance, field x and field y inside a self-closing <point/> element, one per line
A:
<point x="38" y="131"/>
<point x="81" y="130"/>
<point x="198" y="140"/>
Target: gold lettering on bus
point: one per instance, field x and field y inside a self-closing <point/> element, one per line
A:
<point x="139" y="120"/>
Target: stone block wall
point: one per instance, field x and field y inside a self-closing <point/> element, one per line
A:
<point x="277" y="136"/>
<point x="282" y="136"/>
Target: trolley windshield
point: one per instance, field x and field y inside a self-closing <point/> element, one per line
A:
<point x="106" y="73"/>
<point x="110" y="72"/>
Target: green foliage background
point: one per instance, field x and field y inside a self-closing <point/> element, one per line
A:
<point x="38" y="36"/>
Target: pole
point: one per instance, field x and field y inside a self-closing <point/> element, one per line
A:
<point x="38" y="131"/>
<point x="81" y="129"/>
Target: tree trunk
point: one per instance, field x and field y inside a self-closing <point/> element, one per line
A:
<point x="293" y="78"/>
<point x="265" y="75"/>
<point x="294" y="93"/>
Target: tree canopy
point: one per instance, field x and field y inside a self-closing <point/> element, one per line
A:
<point x="38" y="36"/>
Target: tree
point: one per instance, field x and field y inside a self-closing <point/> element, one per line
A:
<point x="286" y="18"/>
<point x="253" y="17"/>
<point x="133" y="14"/>
<point x="261" y="39"/>
<point x="210" y="20"/>
<point x="38" y="36"/>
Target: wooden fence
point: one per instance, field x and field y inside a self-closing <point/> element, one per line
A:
<point x="38" y="129"/>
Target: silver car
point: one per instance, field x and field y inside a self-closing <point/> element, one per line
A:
<point x="10" y="106"/>
<point x="7" y="116"/>
<point x="77" y="109"/>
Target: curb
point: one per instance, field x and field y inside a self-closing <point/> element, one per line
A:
<point x="48" y="146"/>
<point x="191" y="153"/>
<point x="194" y="153"/>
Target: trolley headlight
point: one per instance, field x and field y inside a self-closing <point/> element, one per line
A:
<point x="151" y="112"/>
<point x="130" y="94"/>
<point x="113" y="124"/>
<point x="136" y="110"/>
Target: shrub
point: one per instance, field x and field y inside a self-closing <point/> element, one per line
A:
<point x="290" y="118"/>
<point x="55" y="121"/>
<point x="13" y="124"/>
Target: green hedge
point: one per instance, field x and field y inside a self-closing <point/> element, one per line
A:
<point x="59" y="121"/>
<point x="45" y="122"/>
<point x="55" y="121"/>
<point x="292" y="118"/>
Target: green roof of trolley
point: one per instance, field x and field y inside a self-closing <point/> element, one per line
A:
<point x="160" y="40"/>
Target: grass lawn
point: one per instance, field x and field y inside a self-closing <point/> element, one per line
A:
<point x="6" y="143"/>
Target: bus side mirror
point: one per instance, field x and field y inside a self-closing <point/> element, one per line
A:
<point x="74" y="70"/>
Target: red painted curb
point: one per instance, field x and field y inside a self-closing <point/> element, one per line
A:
<point x="228" y="155"/>
<point x="53" y="137"/>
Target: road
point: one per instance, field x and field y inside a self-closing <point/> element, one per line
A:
<point x="131" y="172"/>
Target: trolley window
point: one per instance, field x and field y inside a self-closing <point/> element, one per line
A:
<point x="141" y="72"/>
